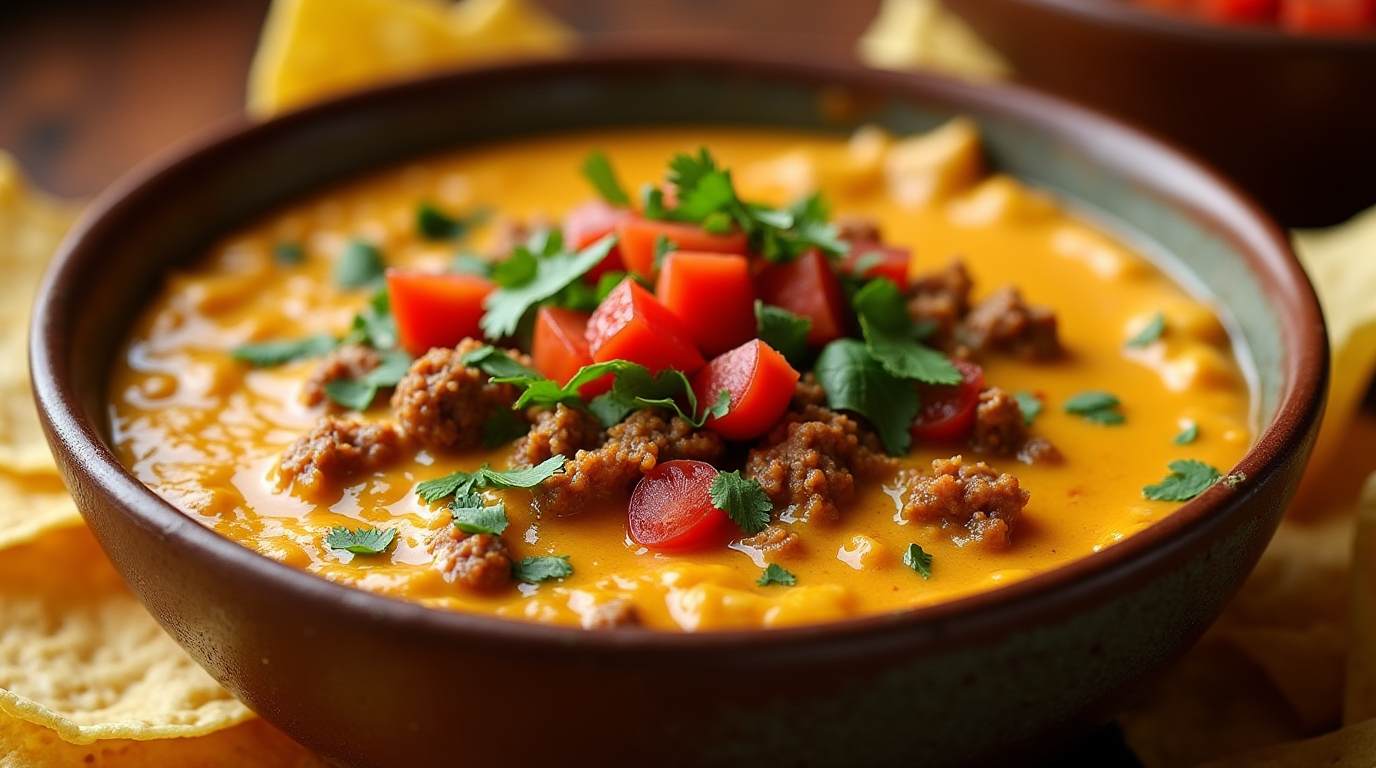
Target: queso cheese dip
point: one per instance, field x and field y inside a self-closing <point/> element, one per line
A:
<point x="236" y="401"/>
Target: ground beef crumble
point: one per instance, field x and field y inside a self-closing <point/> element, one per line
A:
<point x="943" y="299"/>
<point x="480" y="561"/>
<point x="350" y="362"/>
<point x="616" y="613"/>
<point x="1004" y="322"/>
<point x="775" y="541"/>
<point x="854" y="227"/>
<point x="1001" y="429"/>
<point x="979" y="499"/>
<point x="808" y="463"/>
<point x="336" y="449"/>
<point x="442" y="403"/>
<point x="563" y="431"/>
<point x="632" y="448"/>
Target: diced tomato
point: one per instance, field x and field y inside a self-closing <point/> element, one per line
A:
<point x="638" y="236"/>
<point x="760" y="382"/>
<point x="1239" y="11"/>
<point x="1328" y="16"/>
<point x="436" y="310"/>
<point x="879" y="260"/>
<point x="559" y="348"/>
<point x="671" y="508"/>
<point x="630" y="324"/>
<point x="948" y="412"/>
<point x="807" y="286"/>
<point x="590" y="222"/>
<point x="713" y="295"/>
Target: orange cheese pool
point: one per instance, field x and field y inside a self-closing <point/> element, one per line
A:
<point x="208" y="431"/>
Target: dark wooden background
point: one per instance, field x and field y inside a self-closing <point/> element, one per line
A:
<point x="88" y="88"/>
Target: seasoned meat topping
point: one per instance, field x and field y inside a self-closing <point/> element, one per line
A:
<point x="854" y="227"/>
<point x="350" y="362"/>
<point x="808" y="463"/>
<point x="775" y="541"/>
<point x="563" y="431"/>
<point x="480" y="562"/>
<point x="941" y="298"/>
<point x="442" y="403"/>
<point x="981" y="500"/>
<point x="611" y="614"/>
<point x="807" y="392"/>
<point x="336" y="449"/>
<point x="632" y="448"/>
<point x="1001" y="429"/>
<point x="1004" y="323"/>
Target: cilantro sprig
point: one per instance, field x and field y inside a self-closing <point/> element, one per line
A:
<point x="358" y="394"/>
<point x="551" y="273"/>
<point x="743" y="500"/>
<point x="472" y="514"/>
<point x="1188" y="479"/>
<point x="776" y="574"/>
<point x="267" y="354"/>
<point x="364" y="541"/>
<point x="855" y="381"/>
<point x="1096" y="407"/>
<point x="597" y="169"/>
<point x="463" y="483"/>
<point x="917" y="559"/>
<point x="360" y="265"/>
<point x="434" y="224"/>
<point x="537" y="569"/>
<point x="1187" y="435"/>
<point x="1149" y="333"/>
<point x="892" y="336"/>
<point x="1030" y="405"/>
<point x="784" y="331"/>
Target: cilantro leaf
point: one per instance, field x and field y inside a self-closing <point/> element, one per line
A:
<point x="503" y="427"/>
<point x="434" y="224"/>
<point x="496" y="363"/>
<point x="358" y="394"/>
<point x="1149" y="333"/>
<point x="1030" y="405"/>
<point x="784" y="331"/>
<point x="776" y="574"/>
<point x="743" y="500"/>
<point x="1188" y="435"/>
<point x="454" y="484"/>
<point x="360" y="265"/>
<point x="686" y="171"/>
<point x="265" y="354"/>
<point x="918" y="560"/>
<point x="597" y="169"/>
<point x="711" y="193"/>
<point x="663" y="247"/>
<point x="1096" y="407"/>
<point x="470" y="264"/>
<point x="633" y="388"/>
<point x="288" y="254"/>
<point x="364" y="541"/>
<point x="517" y="269"/>
<point x="460" y="483"/>
<point x="889" y="335"/>
<point x="854" y="381"/>
<point x="473" y="515"/>
<point x="374" y="325"/>
<point x="1188" y="479"/>
<point x="506" y="306"/>
<point x="537" y="569"/>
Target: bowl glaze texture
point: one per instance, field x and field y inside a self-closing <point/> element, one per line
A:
<point x="1000" y="678"/>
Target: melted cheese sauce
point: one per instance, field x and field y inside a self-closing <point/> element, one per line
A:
<point x="206" y="432"/>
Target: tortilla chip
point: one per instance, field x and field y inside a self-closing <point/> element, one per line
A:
<point x="312" y="49"/>
<point x="1351" y="747"/>
<point x="80" y="655"/>
<point x="253" y="744"/>
<point x="1306" y="666"/>
<point x="1359" y="698"/>
<point x="921" y="34"/>
<point x="31" y="505"/>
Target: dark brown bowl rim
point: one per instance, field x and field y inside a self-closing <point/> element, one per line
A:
<point x="1058" y="592"/>
<point x="1126" y="14"/>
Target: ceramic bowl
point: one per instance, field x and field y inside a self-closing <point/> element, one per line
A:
<point x="1290" y="117"/>
<point x="1000" y="678"/>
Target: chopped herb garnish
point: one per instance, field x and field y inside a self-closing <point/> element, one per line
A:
<point x="471" y="264"/>
<point x="918" y="560"/>
<point x="1188" y="479"/>
<point x="360" y="265"/>
<point x="506" y="306"/>
<point x="364" y="541"/>
<point x="1187" y="435"/>
<point x="633" y="388"/>
<point x="503" y="427"/>
<point x="266" y="354"/>
<point x="784" y="331"/>
<point x="597" y="169"/>
<point x="855" y="381"/>
<point x="743" y="500"/>
<point x="1096" y="407"/>
<point x="776" y="574"/>
<point x="537" y="569"/>
<point x="288" y="254"/>
<point x="496" y="363"/>
<point x="474" y="515"/>
<point x="1150" y="332"/>
<point x="460" y="483"/>
<point x="434" y="224"/>
<point x="1030" y="405"/>
<point x="374" y="325"/>
<point x="358" y="394"/>
<point x="889" y="335"/>
<point x="663" y="247"/>
<point x="517" y="269"/>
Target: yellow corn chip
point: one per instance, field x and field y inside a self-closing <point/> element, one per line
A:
<point x="80" y="655"/>
<point x="312" y="49"/>
<point x="921" y="34"/>
<point x="1359" y="698"/>
<point x="1351" y="747"/>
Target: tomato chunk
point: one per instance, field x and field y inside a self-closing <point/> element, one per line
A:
<point x="638" y="236"/>
<point x="760" y="382"/>
<point x="948" y="412"/>
<point x="559" y="348"/>
<point x="713" y="295"/>
<point x="590" y="222"/>
<point x="630" y="324"/>
<point x="871" y="260"/>
<point x="1328" y="16"/>
<point x="671" y="508"/>
<point x="436" y="310"/>
<point x="808" y="287"/>
<point x="1239" y="11"/>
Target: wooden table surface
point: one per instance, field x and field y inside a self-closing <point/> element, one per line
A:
<point x="88" y="88"/>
